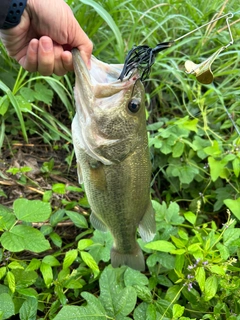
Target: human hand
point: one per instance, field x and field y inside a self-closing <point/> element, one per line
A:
<point x="43" y="39"/>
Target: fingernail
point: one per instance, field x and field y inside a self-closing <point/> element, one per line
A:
<point x="34" y="46"/>
<point x="47" y="45"/>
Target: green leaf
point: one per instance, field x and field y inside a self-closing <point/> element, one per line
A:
<point x="233" y="206"/>
<point x="69" y="258"/>
<point x="230" y="235"/>
<point x="78" y="219"/>
<point x="90" y="262"/>
<point x="15" y="265"/>
<point x="178" y="310"/>
<point x="190" y="217"/>
<point x="27" y="94"/>
<point x="11" y="281"/>
<point x="236" y="166"/>
<point x="21" y="237"/>
<point x="143" y="293"/>
<point x="221" y="270"/>
<point x="24" y="105"/>
<point x="59" y="188"/>
<point x="28" y="310"/>
<point x="51" y="261"/>
<point x="134" y="277"/>
<point x="7" y="218"/>
<point x="178" y="149"/>
<point x="56" y="239"/>
<point x="84" y="243"/>
<point x="31" y="210"/>
<point x="42" y="93"/>
<point x="185" y="173"/>
<point x="217" y="168"/>
<point x="3" y="271"/>
<point x="200" y="277"/>
<point x="214" y="150"/>
<point x="4" y="104"/>
<point x="117" y="300"/>
<point x="47" y="273"/>
<point x="160" y="245"/>
<point x="211" y="286"/>
<point x="6" y="306"/>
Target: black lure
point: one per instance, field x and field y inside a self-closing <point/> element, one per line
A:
<point x="142" y="57"/>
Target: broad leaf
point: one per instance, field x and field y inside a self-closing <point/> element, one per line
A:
<point x="31" y="210"/>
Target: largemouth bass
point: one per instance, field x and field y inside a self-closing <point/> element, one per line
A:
<point x="113" y="161"/>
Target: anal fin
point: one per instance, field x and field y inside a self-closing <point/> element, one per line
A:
<point x="147" y="226"/>
<point x="97" y="223"/>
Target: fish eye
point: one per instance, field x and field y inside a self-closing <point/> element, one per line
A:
<point x="134" y="105"/>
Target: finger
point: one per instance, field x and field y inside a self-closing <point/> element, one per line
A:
<point x="30" y="61"/>
<point x="67" y="60"/>
<point x="45" y="56"/>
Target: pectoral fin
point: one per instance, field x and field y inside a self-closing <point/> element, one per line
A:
<point x="97" y="223"/>
<point x="147" y="226"/>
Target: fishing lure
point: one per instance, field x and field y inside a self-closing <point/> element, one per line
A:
<point x="143" y="57"/>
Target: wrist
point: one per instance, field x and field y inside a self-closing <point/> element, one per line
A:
<point x="15" y="12"/>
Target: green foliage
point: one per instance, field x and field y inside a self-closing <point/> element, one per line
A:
<point x="193" y="262"/>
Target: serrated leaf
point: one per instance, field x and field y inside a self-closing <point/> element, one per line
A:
<point x="3" y="271"/>
<point x="47" y="274"/>
<point x="211" y="286"/>
<point x="233" y="206"/>
<point x="221" y="270"/>
<point x="6" y="306"/>
<point x="15" y="265"/>
<point x="231" y="235"/>
<point x="78" y="219"/>
<point x="21" y="238"/>
<point x="200" y="277"/>
<point x="90" y="262"/>
<point x="31" y="210"/>
<point x="84" y="243"/>
<point x="28" y="292"/>
<point x="69" y="258"/>
<point x="11" y="281"/>
<point x="28" y="310"/>
<point x="160" y="245"/>
<point x="33" y="265"/>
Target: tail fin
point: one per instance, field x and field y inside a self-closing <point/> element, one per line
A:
<point x="134" y="260"/>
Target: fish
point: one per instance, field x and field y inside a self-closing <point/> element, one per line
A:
<point x="113" y="159"/>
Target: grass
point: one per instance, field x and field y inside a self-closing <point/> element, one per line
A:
<point x="193" y="263"/>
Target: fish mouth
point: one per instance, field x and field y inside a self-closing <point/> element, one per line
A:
<point x="96" y="90"/>
<point x="102" y="80"/>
